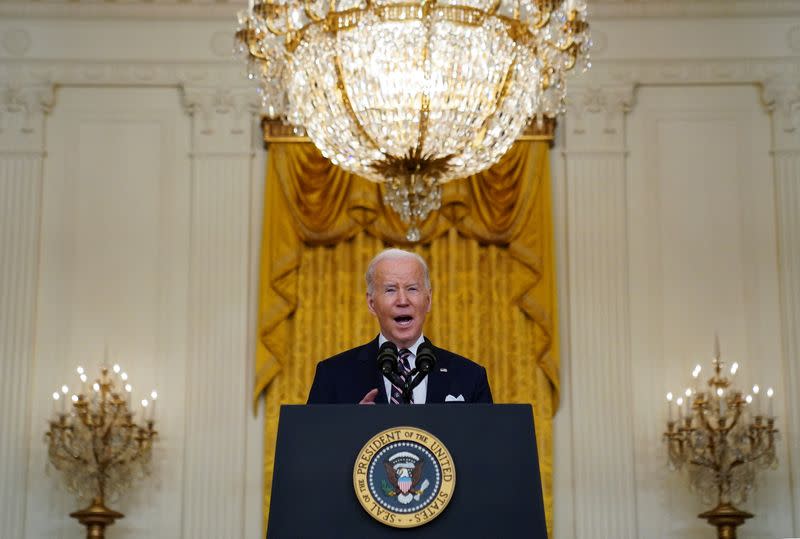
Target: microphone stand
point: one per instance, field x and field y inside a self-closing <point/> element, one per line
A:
<point x="426" y="360"/>
<point x="408" y="386"/>
<point x="415" y="378"/>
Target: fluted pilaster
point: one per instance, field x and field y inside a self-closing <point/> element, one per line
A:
<point x="215" y="478"/>
<point x="21" y="152"/>
<point x="599" y="325"/>
<point x="783" y="99"/>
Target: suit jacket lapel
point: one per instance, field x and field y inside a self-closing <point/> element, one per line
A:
<point x="438" y="380"/>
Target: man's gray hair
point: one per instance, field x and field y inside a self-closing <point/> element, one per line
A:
<point x="395" y="254"/>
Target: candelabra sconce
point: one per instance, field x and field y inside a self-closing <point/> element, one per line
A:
<point x="721" y="437"/>
<point x="99" y="444"/>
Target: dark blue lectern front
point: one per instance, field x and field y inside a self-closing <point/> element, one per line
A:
<point x="497" y="491"/>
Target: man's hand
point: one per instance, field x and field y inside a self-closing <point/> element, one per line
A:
<point x="369" y="398"/>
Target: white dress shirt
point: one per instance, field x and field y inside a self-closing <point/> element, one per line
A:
<point x="422" y="389"/>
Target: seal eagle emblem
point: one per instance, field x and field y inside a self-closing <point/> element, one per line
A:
<point x="404" y="477"/>
<point x="404" y="471"/>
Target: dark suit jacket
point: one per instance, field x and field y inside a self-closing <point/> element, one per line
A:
<point x="347" y="377"/>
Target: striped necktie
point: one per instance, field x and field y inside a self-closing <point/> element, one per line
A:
<point x="405" y="370"/>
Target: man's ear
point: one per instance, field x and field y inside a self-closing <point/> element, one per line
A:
<point x="430" y="300"/>
<point x="370" y="303"/>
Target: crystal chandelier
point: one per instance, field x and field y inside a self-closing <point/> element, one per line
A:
<point x="413" y="93"/>
<point x="99" y="444"/>
<point x="721" y="437"/>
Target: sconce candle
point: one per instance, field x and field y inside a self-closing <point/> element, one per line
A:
<point x="669" y="407"/>
<point x="770" y="408"/>
<point x="153" y="397"/>
<point x="757" y="399"/>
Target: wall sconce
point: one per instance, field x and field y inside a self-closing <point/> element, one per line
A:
<point x="99" y="444"/>
<point x="721" y="437"/>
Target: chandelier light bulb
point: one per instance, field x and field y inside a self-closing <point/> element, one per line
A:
<point x="124" y="376"/>
<point x="734" y="368"/>
<point x="696" y="371"/>
<point x="679" y="402"/>
<point x="770" y="392"/>
<point x="80" y="370"/>
<point x="154" y="394"/>
<point x="145" y="403"/>
<point x="56" y="395"/>
<point x="128" y="388"/>
<point x="74" y="398"/>
<point x="688" y="392"/>
<point x="756" y="389"/>
<point x="748" y="399"/>
<point x="720" y="392"/>
<point x="64" y="390"/>
<point x="83" y="378"/>
<point x="116" y="368"/>
<point x="96" y="387"/>
<point x="669" y="396"/>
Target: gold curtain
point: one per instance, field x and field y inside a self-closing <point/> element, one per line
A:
<point x="490" y="252"/>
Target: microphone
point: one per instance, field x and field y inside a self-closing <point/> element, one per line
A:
<point x="387" y="358"/>
<point x="387" y="363"/>
<point x="424" y="363"/>
<point x="426" y="359"/>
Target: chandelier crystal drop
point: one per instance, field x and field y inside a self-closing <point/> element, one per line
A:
<point x="413" y="93"/>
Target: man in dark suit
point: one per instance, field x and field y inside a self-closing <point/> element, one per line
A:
<point x="399" y="296"/>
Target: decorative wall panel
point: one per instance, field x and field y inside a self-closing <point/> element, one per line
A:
<point x="702" y="261"/>
<point x="112" y="274"/>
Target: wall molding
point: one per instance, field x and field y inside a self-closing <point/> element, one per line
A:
<point x="688" y="9"/>
<point x="113" y="72"/>
<point x="143" y="10"/>
<point x="658" y="71"/>
<point x="611" y="86"/>
<point x="775" y="74"/>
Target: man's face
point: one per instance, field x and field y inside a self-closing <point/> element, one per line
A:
<point x="399" y="300"/>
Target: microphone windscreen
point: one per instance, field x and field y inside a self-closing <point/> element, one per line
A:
<point x="387" y="357"/>
<point x="426" y="359"/>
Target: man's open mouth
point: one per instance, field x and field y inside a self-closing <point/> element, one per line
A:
<point x="403" y="319"/>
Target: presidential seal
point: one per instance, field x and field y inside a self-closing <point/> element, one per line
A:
<point x="404" y="477"/>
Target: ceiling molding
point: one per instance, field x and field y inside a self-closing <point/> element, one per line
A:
<point x="130" y="11"/>
<point x="226" y="10"/>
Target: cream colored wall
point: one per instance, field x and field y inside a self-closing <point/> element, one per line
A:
<point x="676" y="202"/>
<point x="130" y="190"/>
